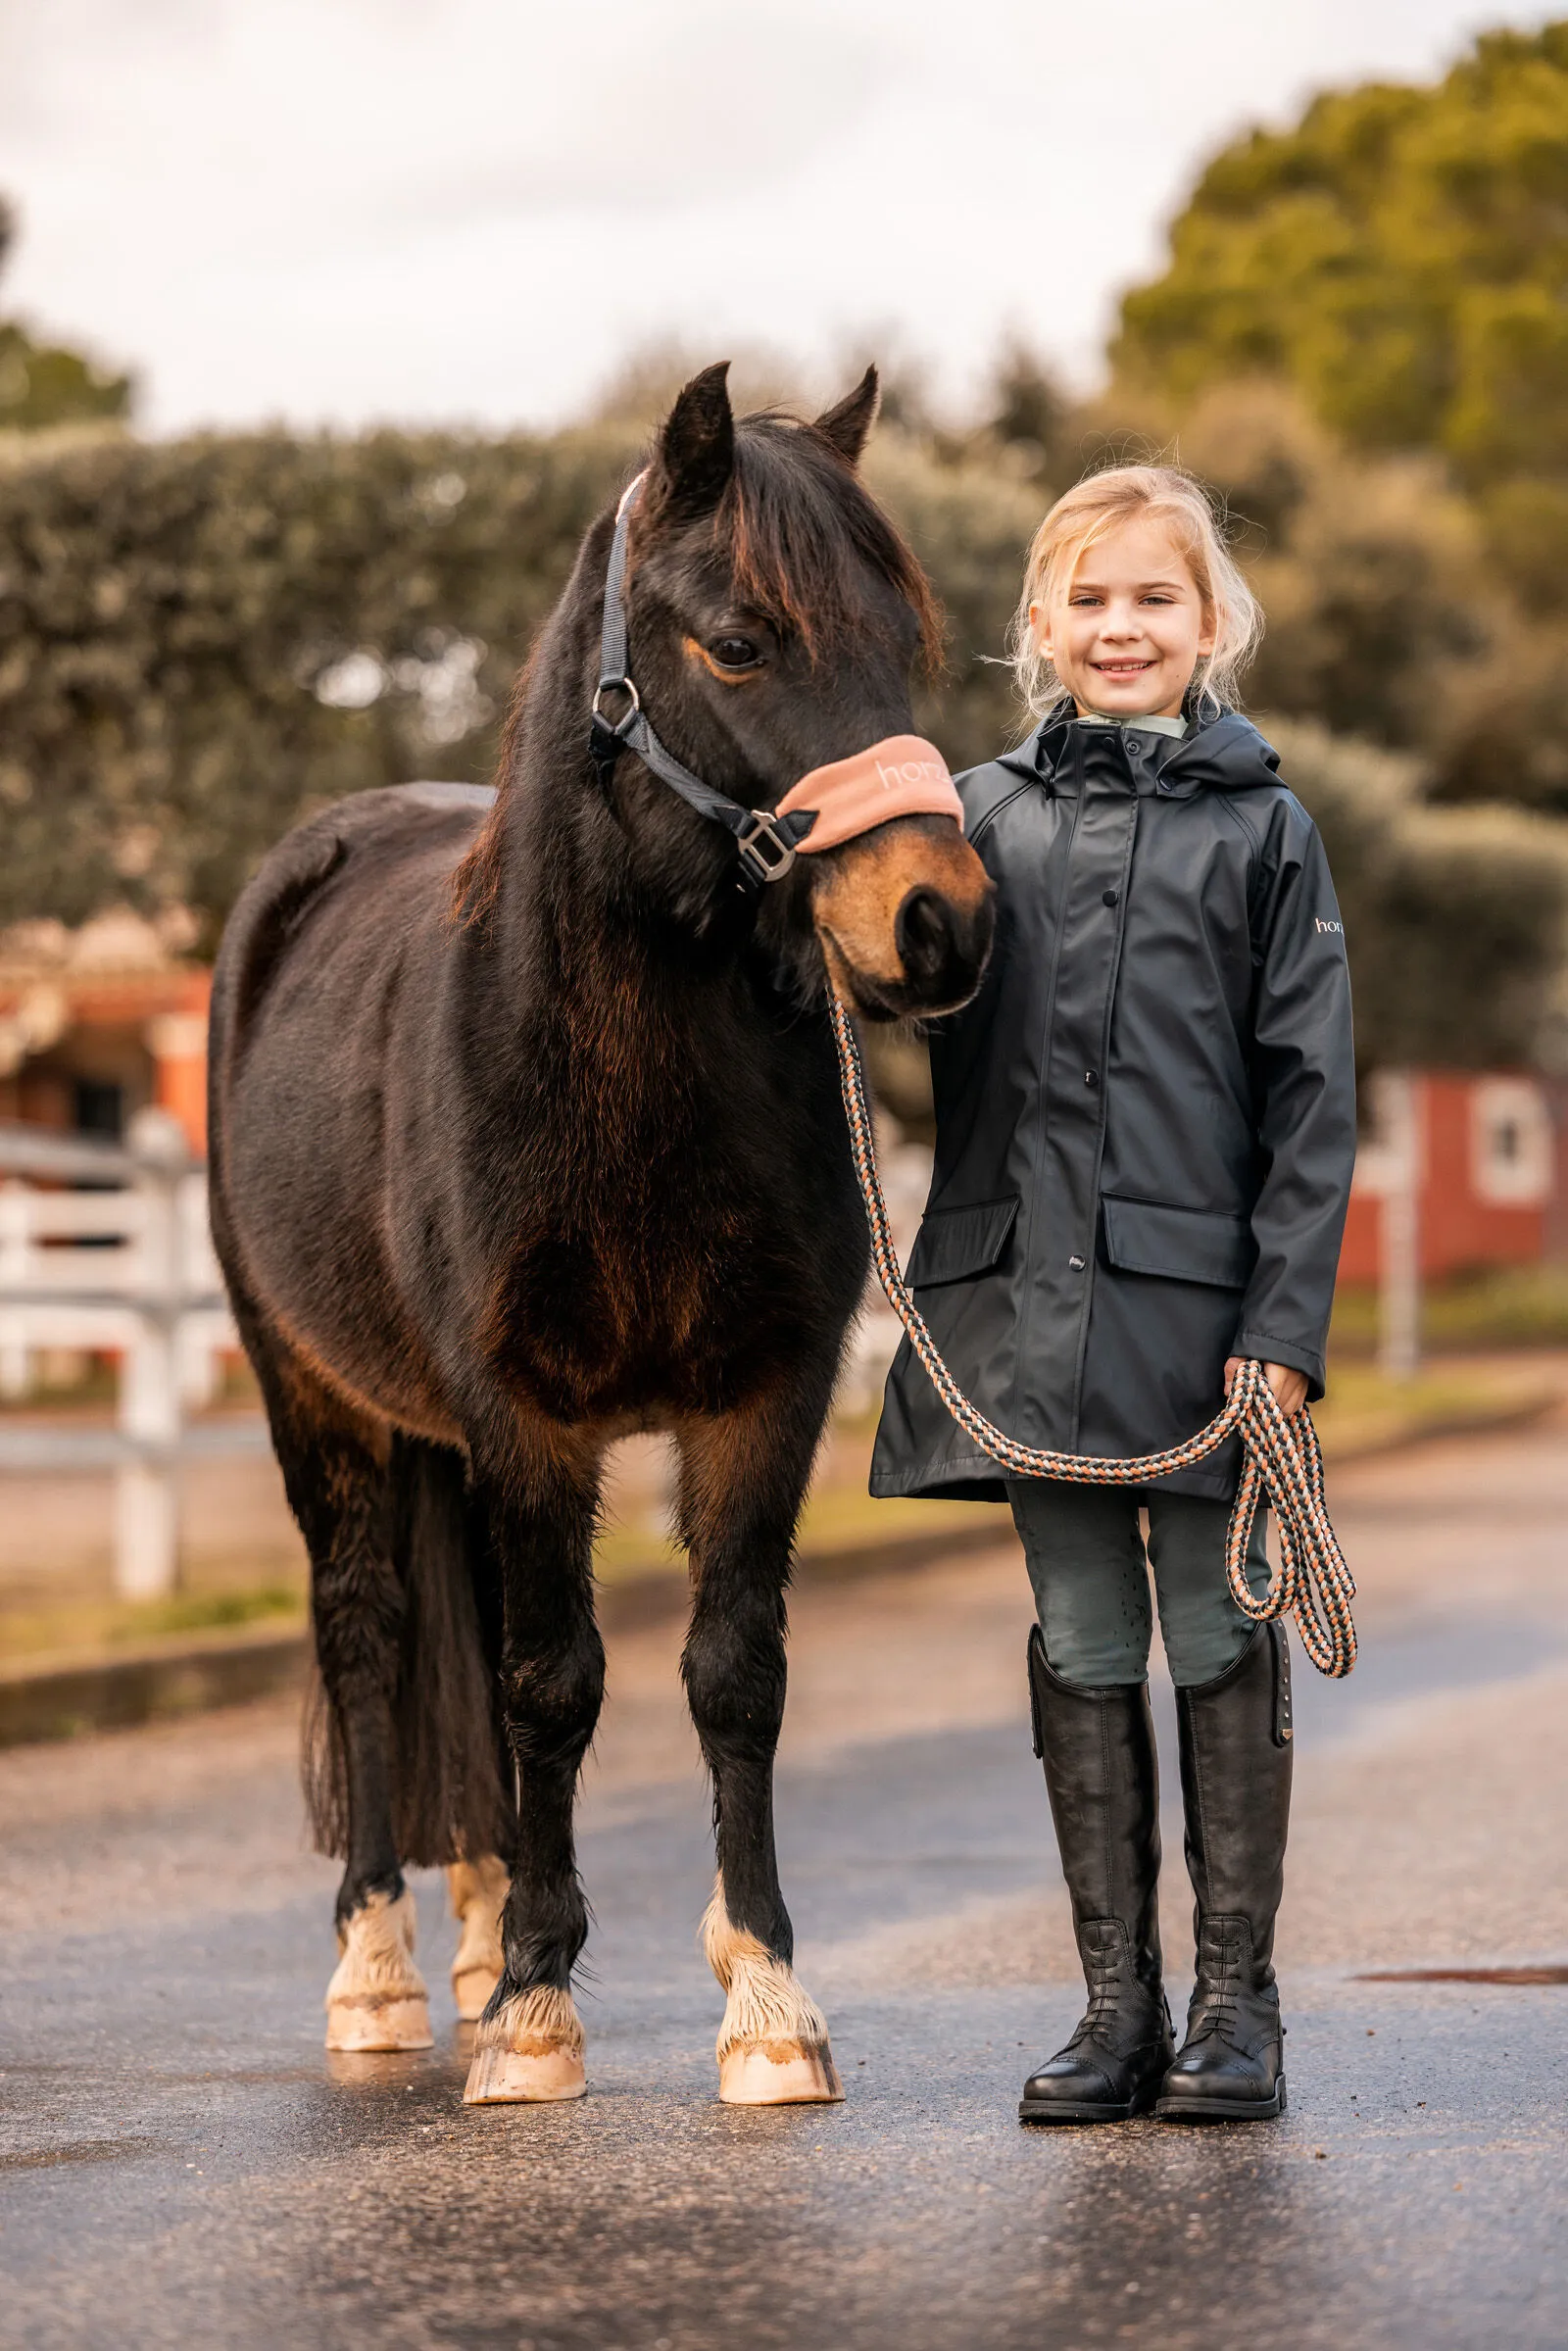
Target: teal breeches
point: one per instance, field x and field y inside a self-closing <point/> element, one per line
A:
<point x="1091" y="1575"/>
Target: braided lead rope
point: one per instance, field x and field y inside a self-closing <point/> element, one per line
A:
<point x="1281" y="1458"/>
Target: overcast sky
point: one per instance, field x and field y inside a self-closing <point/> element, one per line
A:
<point x="339" y="211"/>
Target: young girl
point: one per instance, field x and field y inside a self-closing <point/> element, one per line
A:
<point x="1146" y="1126"/>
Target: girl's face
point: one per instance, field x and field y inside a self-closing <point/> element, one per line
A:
<point x="1129" y="629"/>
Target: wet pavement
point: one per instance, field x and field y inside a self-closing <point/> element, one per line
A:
<point x="180" y="2163"/>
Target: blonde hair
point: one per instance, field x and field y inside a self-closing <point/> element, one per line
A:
<point x="1084" y="516"/>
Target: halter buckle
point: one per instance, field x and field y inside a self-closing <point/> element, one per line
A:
<point x="607" y="737"/>
<point x="596" y="709"/>
<point x="767" y="856"/>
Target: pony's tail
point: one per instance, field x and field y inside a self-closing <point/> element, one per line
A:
<point x="449" y="1802"/>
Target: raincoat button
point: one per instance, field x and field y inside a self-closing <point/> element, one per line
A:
<point x="1111" y="898"/>
<point x="1076" y="1264"/>
<point x="1091" y="1077"/>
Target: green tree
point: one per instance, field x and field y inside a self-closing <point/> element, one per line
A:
<point x="1027" y="417"/>
<point x="1370" y="570"/>
<point x="1401" y="256"/>
<point x="42" y="383"/>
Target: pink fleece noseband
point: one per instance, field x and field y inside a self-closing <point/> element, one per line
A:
<point x="902" y="776"/>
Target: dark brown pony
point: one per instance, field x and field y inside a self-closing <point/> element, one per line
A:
<point x="526" y="1134"/>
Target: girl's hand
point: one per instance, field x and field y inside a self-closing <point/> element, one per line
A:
<point x="1290" y="1387"/>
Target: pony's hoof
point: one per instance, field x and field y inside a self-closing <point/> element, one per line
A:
<point x="376" y="1997"/>
<point x="477" y="1892"/>
<point x="370" y="2024"/>
<point x="779" y="2073"/>
<point x="529" y="2053"/>
<point x="471" y="1988"/>
<point x="523" y="2077"/>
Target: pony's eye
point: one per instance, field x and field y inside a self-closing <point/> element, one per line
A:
<point x="736" y="652"/>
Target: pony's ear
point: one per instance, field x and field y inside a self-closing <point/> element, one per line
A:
<point x="849" y="426"/>
<point x="696" y="444"/>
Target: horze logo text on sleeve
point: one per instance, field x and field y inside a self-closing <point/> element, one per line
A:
<point x="1337" y="928"/>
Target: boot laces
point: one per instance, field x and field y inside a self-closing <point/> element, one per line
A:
<point x="1221" y="1987"/>
<point x="1104" y="1982"/>
<point x="1111" y="1981"/>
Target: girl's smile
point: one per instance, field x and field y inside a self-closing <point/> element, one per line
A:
<point x="1130" y="627"/>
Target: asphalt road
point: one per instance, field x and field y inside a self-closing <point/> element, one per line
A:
<point x="179" y="2162"/>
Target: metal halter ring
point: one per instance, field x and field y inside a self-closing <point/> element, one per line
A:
<point x="614" y="685"/>
<point x="765" y="855"/>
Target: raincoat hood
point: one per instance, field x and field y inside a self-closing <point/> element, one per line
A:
<point x="1221" y="751"/>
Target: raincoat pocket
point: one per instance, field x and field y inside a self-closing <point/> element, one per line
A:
<point x="1184" y="1244"/>
<point x="955" y="1245"/>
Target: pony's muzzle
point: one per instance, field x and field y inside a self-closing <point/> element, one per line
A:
<point x="904" y="915"/>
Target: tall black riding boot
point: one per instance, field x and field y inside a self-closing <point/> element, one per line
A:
<point x="1236" y="1790"/>
<point x="1098" y="1747"/>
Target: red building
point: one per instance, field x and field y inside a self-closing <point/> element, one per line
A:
<point x="1488" y="1157"/>
<point x="97" y="1024"/>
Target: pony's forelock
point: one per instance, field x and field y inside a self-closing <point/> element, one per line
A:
<point x="793" y="519"/>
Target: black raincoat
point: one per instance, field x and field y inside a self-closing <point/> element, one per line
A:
<point x="1146" y="1120"/>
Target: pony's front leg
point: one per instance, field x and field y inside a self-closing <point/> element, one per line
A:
<point x="742" y="1483"/>
<point x="529" y="2044"/>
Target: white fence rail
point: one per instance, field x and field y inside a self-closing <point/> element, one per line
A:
<point x="1389" y="1166"/>
<point x="125" y="1267"/>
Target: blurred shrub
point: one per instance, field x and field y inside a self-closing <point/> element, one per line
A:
<point x="1502" y="1307"/>
<point x="1503" y="734"/>
<point x="1455" y="919"/>
<point x="200" y="640"/>
<point x="970" y="522"/>
<point x="42" y="384"/>
<point x="1371" y="573"/>
<point x="899" y="1067"/>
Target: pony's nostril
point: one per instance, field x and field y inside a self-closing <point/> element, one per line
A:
<point x="942" y="946"/>
<point x="924" y="934"/>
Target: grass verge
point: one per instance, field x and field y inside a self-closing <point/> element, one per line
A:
<point x="1509" y="1306"/>
<point x="109" y="1625"/>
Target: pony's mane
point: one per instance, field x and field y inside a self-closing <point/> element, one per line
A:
<point x="793" y="509"/>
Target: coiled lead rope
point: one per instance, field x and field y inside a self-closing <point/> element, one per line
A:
<point x="1280" y="1457"/>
